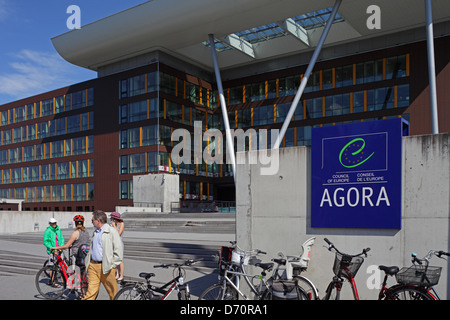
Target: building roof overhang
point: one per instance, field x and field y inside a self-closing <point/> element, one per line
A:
<point x="179" y="28"/>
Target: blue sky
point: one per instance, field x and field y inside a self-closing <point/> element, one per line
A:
<point x="29" y="64"/>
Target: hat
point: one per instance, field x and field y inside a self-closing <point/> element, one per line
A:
<point x="52" y="220"/>
<point x="115" y="215"/>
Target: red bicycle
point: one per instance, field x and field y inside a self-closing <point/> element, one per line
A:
<point x="52" y="281"/>
<point x="345" y="267"/>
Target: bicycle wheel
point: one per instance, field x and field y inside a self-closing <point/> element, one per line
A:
<point x="308" y="287"/>
<point x="408" y="293"/>
<point x="131" y="293"/>
<point x="50" y="282"/>
<point x="216" y="292"/>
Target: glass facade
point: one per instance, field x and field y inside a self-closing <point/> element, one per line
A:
<point x="34" y="140"/>
<point x="330" y="95"/>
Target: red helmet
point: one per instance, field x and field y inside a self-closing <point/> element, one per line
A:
<point x="78" y="218"/>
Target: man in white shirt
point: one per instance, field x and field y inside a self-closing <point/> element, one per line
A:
<point x="105" y="255"/>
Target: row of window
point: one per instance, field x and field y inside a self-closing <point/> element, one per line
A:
<point x="46" y="172"/>
<point x="51" y="128"/>
<point x="70" y="101"/>
<point x="332" y="105"/>
<point x="353" y="74"/>
<point x="160" y="81"/>
<point x="48" y="150"/>
<point x="53" y="193"/>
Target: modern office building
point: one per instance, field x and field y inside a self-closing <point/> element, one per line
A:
<point x="78" y="148"/>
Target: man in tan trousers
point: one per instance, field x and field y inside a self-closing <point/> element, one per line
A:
<point x="105" y="255"/>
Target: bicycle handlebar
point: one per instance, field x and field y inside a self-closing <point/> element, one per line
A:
<point x="253" y="251"/>
<point x="437" y="253"/>
<point x="176" y="265"/>
<point x="331" y="246"/>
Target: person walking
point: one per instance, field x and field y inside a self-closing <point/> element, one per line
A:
<point x="52" y="238"/>
<point x="105" y="255"/>
<point x="117" y="222"/>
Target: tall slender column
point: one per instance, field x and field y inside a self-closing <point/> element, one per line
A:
<point x="223" y="106"/>
<point x="431" y="68"/>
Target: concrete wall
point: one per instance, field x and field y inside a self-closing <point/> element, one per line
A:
<point x="273" y="214"/>
<point x="156" y="189"/>
<point x="29" y="221"/>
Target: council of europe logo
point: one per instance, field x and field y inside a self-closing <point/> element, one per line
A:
<point x="350" y="153"/>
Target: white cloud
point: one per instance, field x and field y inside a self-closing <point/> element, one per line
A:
<point x="34" y="72"/>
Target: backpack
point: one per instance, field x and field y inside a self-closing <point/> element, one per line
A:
<point x="83" y="251"/>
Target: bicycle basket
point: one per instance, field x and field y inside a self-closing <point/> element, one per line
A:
<point x="236" y="257"/>
<point x="346" y="266"/>
<point x="415" y="275"/>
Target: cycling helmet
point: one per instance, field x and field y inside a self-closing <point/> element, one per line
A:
<point x="78" y="219"/>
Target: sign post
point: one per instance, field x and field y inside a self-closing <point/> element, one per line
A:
<point x="356" y="175"/>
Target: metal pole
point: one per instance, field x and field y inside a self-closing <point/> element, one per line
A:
<point x="223" y="106"/>
<point x="431" y="67"/>
<point x="307" y="74"/>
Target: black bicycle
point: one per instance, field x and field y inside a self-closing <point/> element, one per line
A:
<point x="147" y="291"/>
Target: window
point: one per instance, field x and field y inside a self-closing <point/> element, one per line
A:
<point x="255" y="92"/>
<point x="314" y="108"/>
<point x="134" y="137"/>
<point x="304" y="136"/>
<point x="79" y="146"/>
<point x="47" y="107"/>
<point x="73" y="123"/>
<point x="133" y="112"/>
<point x="57" y="149"/>
<point x="403" y="95"/>
<point x="396" y="67"/>
<point x="126" y="189"/>
<point x="79" y="192"/>
<point x="344" y="76"/>
<point x="358" y="101"/>
<point x="327" y="79"/>
<point x="152" y="162"/>
<point x="58" y="193"/>
<point x="19" y="114"/>
<point x="149" y="135"/>
<point x="62" y="170"/>
<point x="59" y="104"/>
<point x="174" y="111"/>
<point x="337" y="105"/>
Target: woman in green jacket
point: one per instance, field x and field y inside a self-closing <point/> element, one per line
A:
<point x="52" y="237"/>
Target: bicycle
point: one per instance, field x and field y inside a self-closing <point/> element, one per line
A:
<point x="232" y="267"/>
<point x="52" y="280"/>
<point x="415" y="282"/>
<point x="345" y="267"/>
<point x="147" y="291"/>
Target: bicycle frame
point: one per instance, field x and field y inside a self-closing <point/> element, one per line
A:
<point x="245" y="275"/>
<point x="174" y="284"/>
<point x="70" y="276"/>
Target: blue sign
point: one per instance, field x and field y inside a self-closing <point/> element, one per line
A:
<point x="356" y="175"/>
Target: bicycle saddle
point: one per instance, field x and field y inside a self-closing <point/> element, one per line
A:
<point x="146" y="275"/>
<point x="265" y="266"/>
<point x="389" y="270"/>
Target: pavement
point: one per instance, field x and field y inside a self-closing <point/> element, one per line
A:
<point x="22" y="255"/>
